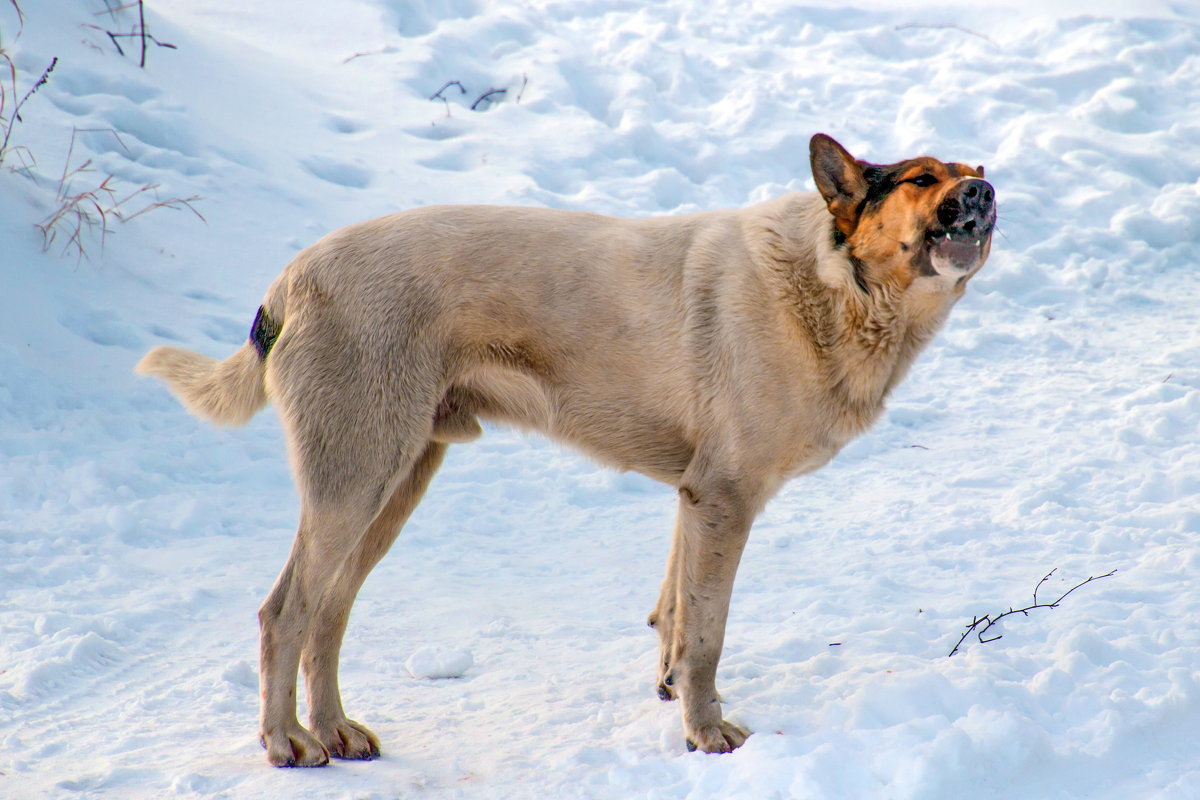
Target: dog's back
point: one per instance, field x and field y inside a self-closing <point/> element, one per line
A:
<point x="595" y="330"/>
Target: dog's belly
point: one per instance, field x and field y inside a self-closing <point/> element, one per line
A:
<point x="615" y="429"/>
<point x="645" y="444"/>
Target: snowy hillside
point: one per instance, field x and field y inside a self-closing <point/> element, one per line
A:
<point x="1052" y="424"/>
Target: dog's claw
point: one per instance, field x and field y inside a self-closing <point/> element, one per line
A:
<point x="724" y="737"/>
<point x="348" y="739"/>
<point x="691" y="746"/>
<point x="664" y="693"/>
<point x="294" y="747"/>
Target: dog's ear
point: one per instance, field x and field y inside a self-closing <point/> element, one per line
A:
<point x="839" y="178"/>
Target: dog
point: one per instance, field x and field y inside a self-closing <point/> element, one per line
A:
<point x="721" y="353"/>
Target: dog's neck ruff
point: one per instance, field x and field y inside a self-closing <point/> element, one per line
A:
<point x="863" y="336"/>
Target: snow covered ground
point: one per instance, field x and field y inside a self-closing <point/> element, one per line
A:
<point x="1052" y="424"/>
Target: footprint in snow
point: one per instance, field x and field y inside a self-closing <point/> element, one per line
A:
<point x="100" y="327"/>
<point x="345" y="125"/>
<point x="204" y="295"/>
<point x="438" y="130"/>
<point x="447" y="162"/>
<point x="340" y="173"/>
<point x="225" y="330"/>
<point x="419" y="17"/>
<point x="91" y="84"/>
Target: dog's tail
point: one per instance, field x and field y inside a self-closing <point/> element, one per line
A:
<point x="227" y="392"/>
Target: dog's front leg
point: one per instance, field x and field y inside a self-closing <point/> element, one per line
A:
<point x="715" y="515"/>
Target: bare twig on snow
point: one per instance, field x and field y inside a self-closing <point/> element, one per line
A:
<point x="139" y="32"/>
<point x="487" y="96"/>
<point x="981" y="625"/>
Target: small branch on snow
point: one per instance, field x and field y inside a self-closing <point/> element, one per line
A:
<point x="947" y="25"/>
<point x="1045" y="578"/>
<point x="145" y="37"/>
<point x="365" y="53"/>
<point x="438" y="94"/>
<point x="486" y="96"/>
<point x="140" y="33"/>
<point x="112" y="10"/>
<point x="980" y="625"/>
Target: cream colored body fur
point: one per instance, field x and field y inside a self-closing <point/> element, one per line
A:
<point x="721" y="353"/>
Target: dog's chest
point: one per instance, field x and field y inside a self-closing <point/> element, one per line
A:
<point x="808" y="457"/>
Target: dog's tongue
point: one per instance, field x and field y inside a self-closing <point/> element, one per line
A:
<point x="960" y="254"/>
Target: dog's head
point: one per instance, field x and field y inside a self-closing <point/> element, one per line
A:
<point x="899" y="222"/>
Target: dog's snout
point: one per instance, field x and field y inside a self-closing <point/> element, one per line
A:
<point x="972" y="204"/>
<point x="976" y="192"/>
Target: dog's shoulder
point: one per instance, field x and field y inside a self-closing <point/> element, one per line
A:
<point x="791" y="240"/>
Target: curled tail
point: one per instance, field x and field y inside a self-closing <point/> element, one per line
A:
<point x="227" y="392"/>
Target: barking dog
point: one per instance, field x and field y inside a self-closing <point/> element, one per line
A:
<point x="721" y="353"/>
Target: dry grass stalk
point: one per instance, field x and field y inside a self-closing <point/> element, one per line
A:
<point x="12" y="120"/>
<point x="84" y="216"/>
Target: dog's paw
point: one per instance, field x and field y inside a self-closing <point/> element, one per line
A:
<point x="348" y="739"/>
<point x="293" y="747"/>
<point x="666" y="686"/>
<point x="723" y="737"/>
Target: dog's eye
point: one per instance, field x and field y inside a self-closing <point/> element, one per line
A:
<point x="923" y="180"/>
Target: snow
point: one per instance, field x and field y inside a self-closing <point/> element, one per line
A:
<point x="1053" y="423"/>
<point x="439" y="662"/>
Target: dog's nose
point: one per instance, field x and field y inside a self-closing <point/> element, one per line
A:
<point x="972" y="204"/>
<point x="977" y="195"/>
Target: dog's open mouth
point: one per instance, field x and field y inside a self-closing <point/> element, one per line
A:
<point x="960" y="248"/>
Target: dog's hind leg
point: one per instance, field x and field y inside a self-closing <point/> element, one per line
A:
<point x="662" y="619"/>
<point x="344" y="481"/>
<point x="285" y="620"/>
<point x="356" y="427"/>
<point x="340" y="735"/>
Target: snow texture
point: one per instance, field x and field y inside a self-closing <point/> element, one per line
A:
<point x="438" y="662"/>
<point x="1053" y="423"/>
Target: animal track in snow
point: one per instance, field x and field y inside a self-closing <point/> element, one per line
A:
<point x="100" y="326"/>
<point x="340" y="173"/>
